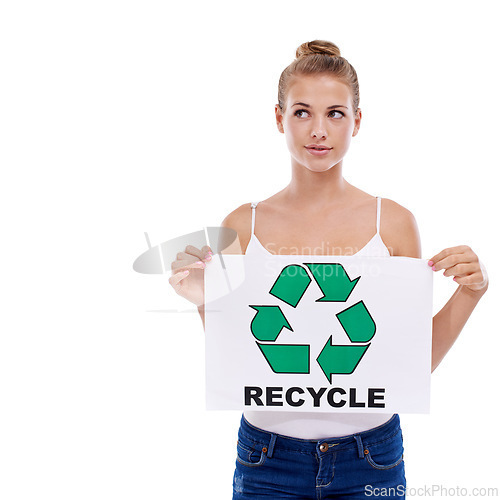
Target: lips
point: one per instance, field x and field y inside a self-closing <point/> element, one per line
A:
<point x="317" y="147"/>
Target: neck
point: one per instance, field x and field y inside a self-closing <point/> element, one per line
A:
<point x="315" y="190"/>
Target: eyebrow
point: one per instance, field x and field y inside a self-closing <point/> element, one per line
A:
<point x="329" y="107"/>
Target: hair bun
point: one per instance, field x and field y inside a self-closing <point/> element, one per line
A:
<point x="318" y="47"/>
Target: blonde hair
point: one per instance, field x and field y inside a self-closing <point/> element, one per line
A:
<point x="319" y="56"/>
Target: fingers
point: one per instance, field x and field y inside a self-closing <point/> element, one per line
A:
<point x="185" y="262"/>
<point x="186" y="259"/>
<point x="197" y="252"/>
<point x="181" y="271"/>
<point x="207" y="252"/>
<point x="450" y="254"/>
<point x="462" y="263"/>
<point x="178" y="265"/>
<point x="474" y="279"/>
<point x="459" y="269"/>
<point x="453" y="256"/>
<point x="175" y="279"/>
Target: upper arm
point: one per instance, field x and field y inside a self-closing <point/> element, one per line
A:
<point x="239" y="220"/>
<point x="401" y="231"/>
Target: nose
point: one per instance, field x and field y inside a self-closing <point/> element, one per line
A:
<point x="318" y="129"/>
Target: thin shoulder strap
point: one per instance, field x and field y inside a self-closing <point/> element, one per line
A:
<point x="254" y="204"/>
<point x="378" y="213"/>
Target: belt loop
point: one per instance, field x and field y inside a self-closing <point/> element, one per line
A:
<point x="357" y="437"/>
<point x="271" y="446"/>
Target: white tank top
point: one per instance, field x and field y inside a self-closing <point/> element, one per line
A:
<point x="309" y="425"/>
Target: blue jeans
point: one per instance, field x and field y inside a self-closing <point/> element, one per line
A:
<point x="363" y="465"/>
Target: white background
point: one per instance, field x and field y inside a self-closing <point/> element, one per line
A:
<point x="124" y="117"/>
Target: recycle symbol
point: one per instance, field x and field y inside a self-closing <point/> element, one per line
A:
<point x="289" y="287"/>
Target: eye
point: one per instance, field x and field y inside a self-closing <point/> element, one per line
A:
<point x="297" y="113"/>
<point x="336" y="111"/>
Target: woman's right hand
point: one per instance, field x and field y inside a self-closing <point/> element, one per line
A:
<point x="191" y="285"/>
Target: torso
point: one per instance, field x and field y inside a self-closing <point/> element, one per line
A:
<point x="285" y="229"/>
<point x="337" y="229"/>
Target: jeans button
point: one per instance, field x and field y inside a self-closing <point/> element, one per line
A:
<point x="324" y="447"/>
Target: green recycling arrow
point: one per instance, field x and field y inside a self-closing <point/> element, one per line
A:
<point x="268" y="322"/>
<point x="291" y="284"/>
<point x="286" y="358"/>
<point x="340" y="359"/>
<point x="333" y="281"/>
<point x="357" y="322"/>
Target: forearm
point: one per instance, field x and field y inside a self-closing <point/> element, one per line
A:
<point x="449" y="321"/>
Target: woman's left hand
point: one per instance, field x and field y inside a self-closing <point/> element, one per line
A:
<point x="462" y="263"/>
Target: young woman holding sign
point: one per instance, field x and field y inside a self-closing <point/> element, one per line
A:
<point x="327" y="455"/>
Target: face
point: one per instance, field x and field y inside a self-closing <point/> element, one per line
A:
<point x="318" y="121"/>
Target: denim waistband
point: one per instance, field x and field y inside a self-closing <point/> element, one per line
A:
<point x="273" y="441"/>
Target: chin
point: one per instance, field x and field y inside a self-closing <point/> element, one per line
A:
<point x="319" y="168"/>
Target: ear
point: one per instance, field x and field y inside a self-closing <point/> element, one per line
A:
<point x="357" y="122"/>
<point x="279" y="118"/>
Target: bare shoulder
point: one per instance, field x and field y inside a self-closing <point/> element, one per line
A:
<point x="394" y="210"/>
<point x="399" y="229"/>
<point x="240" y="220"/>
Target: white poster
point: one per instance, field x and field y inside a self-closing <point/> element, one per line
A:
<point x="318" y="333"/>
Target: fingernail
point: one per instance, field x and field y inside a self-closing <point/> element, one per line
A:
<point x="433" y="268"/>
<point x="455" y="278"/>
<point x="208" y="256"/>
<point x="185" y="272"/>
<point x="430" y="263"/>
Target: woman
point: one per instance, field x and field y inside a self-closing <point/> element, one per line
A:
<point x="320" y="455"/>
